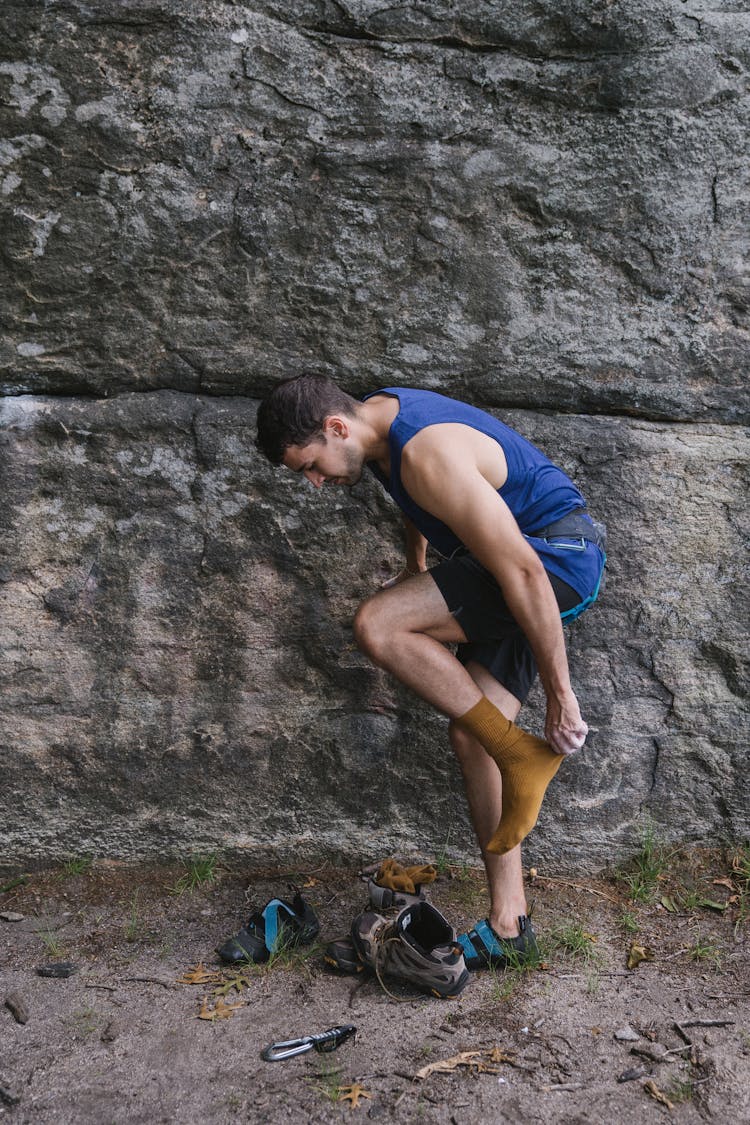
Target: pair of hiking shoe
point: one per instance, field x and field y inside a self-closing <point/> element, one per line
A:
<point x="404" y="937"/>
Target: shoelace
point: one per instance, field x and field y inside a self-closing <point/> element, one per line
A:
<point x="380" y="957"/>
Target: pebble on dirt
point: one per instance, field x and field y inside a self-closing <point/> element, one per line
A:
<point x="627" y="1035"/>
<point x="11" y="916"/>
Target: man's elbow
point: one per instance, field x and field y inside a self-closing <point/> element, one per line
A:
<point x="527" y="576"/>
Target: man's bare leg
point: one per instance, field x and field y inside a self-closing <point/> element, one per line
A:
<point x="404" y="629"/>
<point x="483" y="786"/>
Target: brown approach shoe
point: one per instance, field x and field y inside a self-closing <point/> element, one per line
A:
<point x="418" y="946"/>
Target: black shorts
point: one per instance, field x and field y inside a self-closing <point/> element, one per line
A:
<point x="495" y="639"/>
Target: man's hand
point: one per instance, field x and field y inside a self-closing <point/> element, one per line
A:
<point x="565" y="729"/>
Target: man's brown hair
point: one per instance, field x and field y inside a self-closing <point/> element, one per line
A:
<point x="295" y="410"/>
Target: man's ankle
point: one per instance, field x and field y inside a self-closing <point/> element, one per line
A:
<point x="505" y="924"/>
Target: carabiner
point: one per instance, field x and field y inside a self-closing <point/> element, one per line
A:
<point x="287" y="1049"/>
<point x="326" y="1041"/>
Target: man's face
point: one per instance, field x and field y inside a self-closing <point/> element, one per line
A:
<point x="332" y="460"/>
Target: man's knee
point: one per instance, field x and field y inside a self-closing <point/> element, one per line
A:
<point x="369" y="628"/>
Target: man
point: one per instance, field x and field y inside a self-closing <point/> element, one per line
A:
<point x="519" y="552"/>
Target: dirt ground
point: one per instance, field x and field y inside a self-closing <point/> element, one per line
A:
<point x="120" y="1040"/>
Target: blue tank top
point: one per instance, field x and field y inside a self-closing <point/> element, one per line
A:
<point x="536" y="491"/>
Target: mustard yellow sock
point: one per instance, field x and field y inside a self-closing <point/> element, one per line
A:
<point x="527" y="765"/>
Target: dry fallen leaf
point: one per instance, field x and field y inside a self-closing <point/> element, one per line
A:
<point x="237" y="981"/>
<point x="311" y="882"/>
<point x="220" y="1011"/>
<point x="481" y="1062"/>
<point x="199" y="974"/>
<point x="638" y="953"/>
<point x="724" y="883"/>
<point x="651" y="1088"/>
<point x="498" y="1056"/>
<point x="352" y="1094"/>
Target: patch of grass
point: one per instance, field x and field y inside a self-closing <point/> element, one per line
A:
<point x="442" y="863"/>
<point x="690" y="900"/>
<point x="680" y="1090"/>
<point x="84" y="1021"/>
<point x="19" y="881"/>
<point x="328" y="1080"/>
<point x="576" y="941"/>
<point x="76" y="865"/>
<point x="685" y="901"/>
<point x="703" y="949"/>
<point x="167" y="948"/>
<point x="133" y="925"/>
<point x="54" y="947"/>
<point x="629" y="922"/>
<point x="291" y="955"/>
<point x="741" y="864"/>
<point x="647" y="867"/>
<point x="506" y="981"/>
<point x="200" y="871"/>
<point x="741" y="876"/>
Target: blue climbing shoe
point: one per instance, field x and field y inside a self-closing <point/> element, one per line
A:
<point x="484" y="949"/>
<point x="278" y="925"/>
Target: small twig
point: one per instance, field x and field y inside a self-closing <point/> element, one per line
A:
<point x="107" y="987"/>
<point x="708" y="1023"/>
<point x="564" y="1086"/>
<point x="521" y="1066"/>
<point x="682" y="1033"/>
<point x="600" y="973"/>
<point x="576" y="886"/>
<point x="653" y="1055"/>
<point x="151" y="980"/>
<point x="557" y="1035"/>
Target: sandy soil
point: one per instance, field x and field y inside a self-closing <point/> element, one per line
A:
<point x="119" y="1040"/>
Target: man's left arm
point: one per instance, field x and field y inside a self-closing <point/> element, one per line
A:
<point x="462" y="498"/>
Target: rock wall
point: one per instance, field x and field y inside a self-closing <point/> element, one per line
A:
<point x="542" y="208"/>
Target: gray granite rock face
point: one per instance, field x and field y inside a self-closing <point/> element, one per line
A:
<point x="539" y="207"/>
<point x="536" y="204"/>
